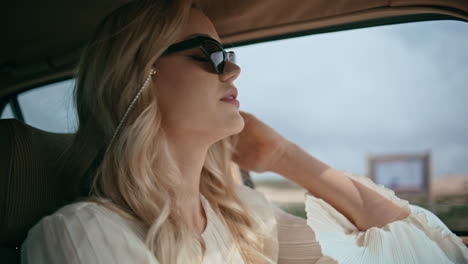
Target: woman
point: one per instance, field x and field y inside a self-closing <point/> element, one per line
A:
<point x="158" y="129"/>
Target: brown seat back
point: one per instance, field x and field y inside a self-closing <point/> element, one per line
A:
<point x="30" y="186"/>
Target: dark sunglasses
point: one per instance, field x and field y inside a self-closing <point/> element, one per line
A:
<point x="212" y="49"/>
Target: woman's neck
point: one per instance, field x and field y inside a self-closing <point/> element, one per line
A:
<point x="190" y="159"/>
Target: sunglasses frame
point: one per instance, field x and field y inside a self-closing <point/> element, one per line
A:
<point x="198" y="42"/>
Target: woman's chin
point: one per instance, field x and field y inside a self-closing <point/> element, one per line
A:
<point x="235" y="126"/>
<point x="240" y="125"/>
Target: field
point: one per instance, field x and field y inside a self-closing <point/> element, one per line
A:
<point x="449" y="196"/>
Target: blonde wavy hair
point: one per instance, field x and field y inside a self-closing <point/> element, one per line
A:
<point x="137" y="177"/>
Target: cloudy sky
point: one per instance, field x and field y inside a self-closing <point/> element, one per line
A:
<point x="346" y="95"/>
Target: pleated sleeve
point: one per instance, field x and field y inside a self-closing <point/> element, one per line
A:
<point x="292" y="241"/>
<point x="84" y="233"/>
<point x="419" y="238"/>
<point x="297" y="241"/>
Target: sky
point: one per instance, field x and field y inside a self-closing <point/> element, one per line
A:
<point x="343" y="96"/>
<point x="385" y="90"/>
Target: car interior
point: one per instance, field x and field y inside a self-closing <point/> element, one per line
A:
<point x="41" y="44"/>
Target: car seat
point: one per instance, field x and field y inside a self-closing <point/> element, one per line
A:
<point x="30" y="186"/>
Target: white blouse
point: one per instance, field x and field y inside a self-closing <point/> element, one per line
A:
<point x="85" y="232"/>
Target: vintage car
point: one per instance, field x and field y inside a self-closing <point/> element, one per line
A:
<point x="41" y="43"/>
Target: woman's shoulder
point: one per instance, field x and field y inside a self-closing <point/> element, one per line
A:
<point x="263" y="210"/>
<point x="89" y="213"/>
<point x="250" y="195"/>
<point x="256" y="201"/>
<point x="85" y="212"/>
<point x="86" y="215"/>
<point x="79" y="208"/>
<point x="85" y="232"/>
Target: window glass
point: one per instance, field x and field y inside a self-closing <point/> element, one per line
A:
<point x="353" y="97"/>
<point x="50" y="107"/>
<point x="7" y="112"/>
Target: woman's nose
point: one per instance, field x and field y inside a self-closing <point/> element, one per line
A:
<point x="231" y="71"/>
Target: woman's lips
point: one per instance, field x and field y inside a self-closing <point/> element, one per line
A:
<point x="231" y="101"/>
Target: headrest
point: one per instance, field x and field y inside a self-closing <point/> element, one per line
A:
<point x="30" y="186"/>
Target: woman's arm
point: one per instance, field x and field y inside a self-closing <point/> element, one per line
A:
<point x="261" y="148"/>
<point x="362" y="206"/>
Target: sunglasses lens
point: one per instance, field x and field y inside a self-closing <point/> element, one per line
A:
<point x="231" y="56"/>
<point x="217" y="58"/>
<point x="216" y="54"/>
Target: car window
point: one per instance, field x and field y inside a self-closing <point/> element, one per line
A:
<point x="355" y="98"/>
<point x="50" y="107"/>
<point x="7" y="112"/>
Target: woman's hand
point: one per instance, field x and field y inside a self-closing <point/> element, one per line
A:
<point x="259" y="146"/>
